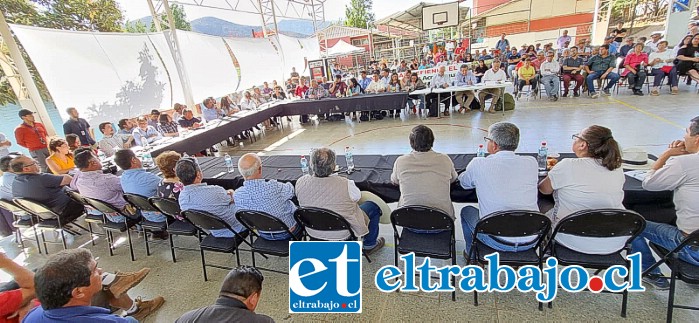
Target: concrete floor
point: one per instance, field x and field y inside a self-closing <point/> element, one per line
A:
<point x="648" y="122"/>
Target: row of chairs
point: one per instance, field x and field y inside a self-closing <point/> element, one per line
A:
<point x="603" y="223"/>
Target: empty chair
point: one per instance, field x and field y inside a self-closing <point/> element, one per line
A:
<point x="256" y="222"/>
<point x="48" y="220"/>
<point x="440" y="245"/>
<point x="129" y="221"/>
<point x="599" y="224"/>
<point x="21" y="222"/>
<point x="205" y="222"/>
<point x="175" y="227"/>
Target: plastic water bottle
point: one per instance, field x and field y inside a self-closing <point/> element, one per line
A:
<point x="101" y="155"/>
<point x="304" y="165"/>
<point x="541" y="157"/>
<point x="350" y="159"/>
<point x="229" y="163"/>
<point x="147" y="160"/>
<point x="481" y="151"/>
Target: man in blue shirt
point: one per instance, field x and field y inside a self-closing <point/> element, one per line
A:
<point x="269" y="196"/>
<point x="79" y="127"/>
<point x="145" y="134"/>
<point x="66" y="284"/>
<point x="209" y="110"/>
<point x="209" y="198"/>
<point x="502" y="44"/>
<point x="364" y="81"/>
<point x="136" y="180"/>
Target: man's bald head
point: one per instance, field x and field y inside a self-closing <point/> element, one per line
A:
<point x="24" y="165"/>
<point x="250" y="166"/>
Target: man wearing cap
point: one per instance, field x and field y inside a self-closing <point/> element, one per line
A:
<point x="676" y="169"/>
<point x="79" y="127"/>
<point x="32" y="135"/>
<point x="239" y="296"/>
<point x="655" y="38"/>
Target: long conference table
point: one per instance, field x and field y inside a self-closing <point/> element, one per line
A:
<point x="373" y="173"/>
<point x="194" y="141"/>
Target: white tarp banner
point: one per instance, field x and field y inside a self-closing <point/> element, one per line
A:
<point x="260" y="61"/>
<point x="106" y="76"/>
<point x="209" y="65"/>
<point x="297" y="52"/>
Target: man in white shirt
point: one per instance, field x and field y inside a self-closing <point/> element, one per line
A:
<point x="549" y="76"/>
<point x="441" y="80"/>
<point x="110" y="142"/>
<point x="376" y="85"/>
<point x="495" y="74"/>
<point x="655" y="38"/>
<point x="564" y="39"/>
<point x="450" y="49"/>
<point x="491" y="176"/>
<point x="248" y="103"/>
<point x="676" y="169"/>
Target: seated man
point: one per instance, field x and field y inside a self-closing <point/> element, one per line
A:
<point x="136" y="180"/>
<point x="143" y="135"/>
<point x="465" y="77"/>
<point x="489" y="175"/>
<point x="6" y="217"/>
<point x="340" y="195"/>
<point x="209" y="110"/>
<point x="676" y="169"/>
<point x="442" y="81"/>
<point x="91" y="182"/>
<point x="125" y="127"/>
<point x="600" y="67"/>
<point x="376" y="85"/>
<point x="44" y="188"/>
<point x="495" y="74"/>
<point x="338" y="87"/>
<point x="316" y="91"/>
<point x="110" y="141"/>
<point x="15" y="302"/>
<point x="269" y="196"/>
<point x="424" y="176"/>
<point x="188" y="121"/>
<point x="549" y="76"/>
<point x="572" y="70"/>
<point x="240" y="293"/>
<point x="209" y="198"/>
<point x="72" y="288"/>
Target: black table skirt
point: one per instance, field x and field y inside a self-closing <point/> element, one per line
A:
<point x="373" y="174"/>
<point x="202" y="139"/>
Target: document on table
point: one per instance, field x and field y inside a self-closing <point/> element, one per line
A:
<point x="637" y="174"/>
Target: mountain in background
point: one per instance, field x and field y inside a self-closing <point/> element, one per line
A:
<point x="219" y="27"/>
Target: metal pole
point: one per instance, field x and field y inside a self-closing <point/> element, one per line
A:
<point x="633" y="17"/>
<point x="174" y="45"/>
<point x="156" y="18"/>
<point x="529" y="20"/>
<point x="26" y="78"/>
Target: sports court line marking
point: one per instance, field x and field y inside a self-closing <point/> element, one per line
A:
<point x="652" y="115"/>
<point x="403" y="125"/>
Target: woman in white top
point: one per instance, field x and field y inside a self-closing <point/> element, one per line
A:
<point x="593" y="180"/>
<point x="662" y="63"/>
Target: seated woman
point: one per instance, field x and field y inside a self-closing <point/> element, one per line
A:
<point x="170" y="186"/>
<point x="414" y="84"/>
<point x="662" y="66"/>
<point x="480" y="70"/>
<point x="73" y="141"/>
<point x="527" y="76"/>
<point x="593" y="180"/>
<point x="227" y="106"/>
<point x="689" y="59"/>
<point x="61" y="159"/>
<point x="167" y="127"/>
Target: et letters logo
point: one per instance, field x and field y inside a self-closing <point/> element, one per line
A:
<point x="325" y="277"/>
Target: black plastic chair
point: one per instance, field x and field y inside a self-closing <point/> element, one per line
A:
<point x="679" y="269"/>
<point x="440" y="245"/>
<point x="511" y="224"/>
<point x="205" y="222"/>
<point x="130" y="222"/>
<point x="257" y="221"/>
<point x="20" y="223"/>
<point x="141" y="203"/>
<point x="48" y="220"/>
<point x="600" y="223"/>
<point x="90" y="218"/>
<point x="324" y="220"/>
<point x="175" y="227"/>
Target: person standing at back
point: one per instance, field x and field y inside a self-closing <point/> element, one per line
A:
<point x="33" y="136"/>
<point x="79" y="127"/>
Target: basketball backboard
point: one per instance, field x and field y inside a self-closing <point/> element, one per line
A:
<point x="440" y="16"/>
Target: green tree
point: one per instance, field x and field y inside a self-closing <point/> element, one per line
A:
<point x="359" y="14"/>
<point x="180" y="17"/>
<point x="136" y="27"/>
<point x="89" y="15"/>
